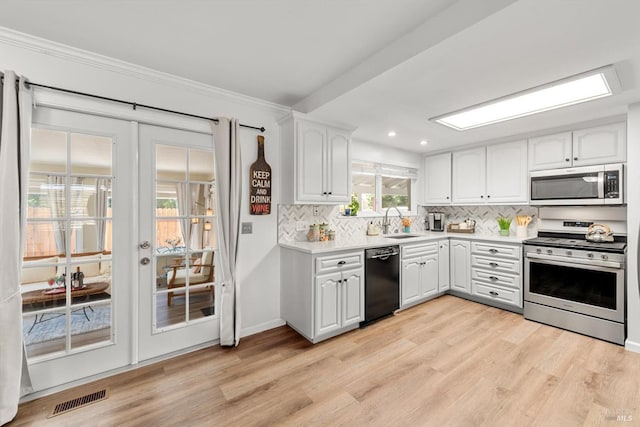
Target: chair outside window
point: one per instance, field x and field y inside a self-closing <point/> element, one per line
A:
<point x="199" y="272"/>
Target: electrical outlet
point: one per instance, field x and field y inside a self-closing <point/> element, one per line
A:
<point x="301" y="226"/>
<point x="247" y="228"/>
<point x="316" y="211"/>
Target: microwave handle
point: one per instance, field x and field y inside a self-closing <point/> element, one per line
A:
<point x="601" y="185"/>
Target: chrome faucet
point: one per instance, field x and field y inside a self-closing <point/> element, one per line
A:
<point x="386" y="223"/>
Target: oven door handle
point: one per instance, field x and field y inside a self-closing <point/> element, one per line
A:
<point x="588" y="262"/>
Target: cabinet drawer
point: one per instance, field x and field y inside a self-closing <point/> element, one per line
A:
<point x="419" y="250"/>
<point x="496" y="264"/>
<point x="496" y="250"/>
<point x="331" y="263"/>
<point x="496" y="278"/>
<point x="504" y="295"/>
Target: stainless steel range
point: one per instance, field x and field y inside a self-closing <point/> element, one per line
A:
<point x="576" y="284"/>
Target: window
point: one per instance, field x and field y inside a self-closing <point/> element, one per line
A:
<point x="378" y="187"/>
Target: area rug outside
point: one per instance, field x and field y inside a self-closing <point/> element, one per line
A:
<point x="52" y="329"/>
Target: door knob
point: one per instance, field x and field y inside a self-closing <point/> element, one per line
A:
<point x="145" y="261"/>
<point x="145" y="245"/>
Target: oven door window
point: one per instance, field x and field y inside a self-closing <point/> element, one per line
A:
<point x="582" y="186"/>
<point x="596" y="288"/>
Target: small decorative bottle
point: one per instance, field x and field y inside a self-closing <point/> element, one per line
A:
<point x="80" y="278"/>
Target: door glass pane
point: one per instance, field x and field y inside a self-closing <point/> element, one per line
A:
<point x="68" y="231"/>
<point x="90" y="154"/>
<point x="185" y="235"/>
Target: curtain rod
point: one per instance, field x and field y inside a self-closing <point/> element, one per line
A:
<point x="134" y="105"/>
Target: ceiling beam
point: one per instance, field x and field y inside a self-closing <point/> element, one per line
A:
<point x="450" y="21"/>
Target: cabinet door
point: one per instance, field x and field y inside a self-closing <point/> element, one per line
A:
<point x="411" y="280"/>
<point x="328" y="310"/>
<point x="438" y="179"/>
<point x="311" y="145"/>
<point x="602" y="144"/>
<point x="352" y="297"/>
<point x="443" y="265"/>
<point x="429" y="276"/>
<point x="460" y="266"/>
<point x="550" y="151"/>
<point x="468" y="178"/>
<point x="507" y="173"/>
<point x="338" y="174"/>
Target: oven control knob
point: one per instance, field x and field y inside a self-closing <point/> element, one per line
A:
<point x="539" y="250"/>
<point x="590" y="255"/>
<point x="605" y="257"/>
<point x="569" y="253"/>
<point x="549" y="251"/>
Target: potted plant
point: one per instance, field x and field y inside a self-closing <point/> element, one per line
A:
<point x="504" y="223"/>
<point x="355" y="205"/>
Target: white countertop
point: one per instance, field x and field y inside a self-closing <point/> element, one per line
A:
<point x="362" y="242"/>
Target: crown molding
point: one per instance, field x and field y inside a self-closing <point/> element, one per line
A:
<point x="58" y="50"/>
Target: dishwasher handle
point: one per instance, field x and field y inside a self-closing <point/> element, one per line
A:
<point x="384" y="257"/>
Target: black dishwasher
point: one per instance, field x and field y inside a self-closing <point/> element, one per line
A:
<point x="381" y="283"/>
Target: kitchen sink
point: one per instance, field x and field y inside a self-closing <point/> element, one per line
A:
<point x="402" y="236"/>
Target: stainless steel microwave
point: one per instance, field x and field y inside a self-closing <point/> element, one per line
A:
<point x="587" y="185"/>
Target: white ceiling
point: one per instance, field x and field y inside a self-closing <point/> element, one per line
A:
<point x="378" y="65"/>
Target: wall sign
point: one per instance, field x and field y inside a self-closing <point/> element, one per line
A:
<point x="260" y="183"/>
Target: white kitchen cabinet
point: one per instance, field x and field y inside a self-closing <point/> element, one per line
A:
<point x="550" y="151"/>
<point x="316" y="161"/>
<point x="468" y="181"/>
<point x="438" y="180"/>
<point x="507" y="180"/>
<point x="322" y="295"/>
<point x="419" y="275"/>
<point x="598" y="145"/>
<point x="443" y="265"/>
<point x="496" y="273"/>
<point x="460" y="264"/>
<point x="492" y="174"/>
<point x="582" y="147"/>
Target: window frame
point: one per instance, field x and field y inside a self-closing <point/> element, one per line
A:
<point x="380" y="170"/>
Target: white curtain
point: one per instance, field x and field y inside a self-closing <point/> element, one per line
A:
<point x="229" y="192"/>
<point x="15" y="113"/>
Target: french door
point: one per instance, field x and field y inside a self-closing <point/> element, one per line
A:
<point x="178" y="307"/>
<point x="76" y="281"/>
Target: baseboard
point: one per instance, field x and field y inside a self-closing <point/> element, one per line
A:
<point x="261" y="327"/>
<point x="632" y="346"/>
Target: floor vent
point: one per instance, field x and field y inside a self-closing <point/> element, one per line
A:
<point x="79" y="402"/>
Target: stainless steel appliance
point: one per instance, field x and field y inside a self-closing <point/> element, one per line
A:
<point x="576" y="284"/>
<point x="587" y="185"/>
<point x="436" y="221"/>
<point x="381" y="283"/>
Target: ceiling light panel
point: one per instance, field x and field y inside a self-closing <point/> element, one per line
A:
<point x="573" y="90"/>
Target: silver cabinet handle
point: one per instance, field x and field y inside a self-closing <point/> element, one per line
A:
<point x="494" y="278"/>
<point x="493" y="251"/>
<point x="342" y="262"/>
<point x="493" y="264"/>
<point x="145" y="261"/>
<point x="494" y="293"/>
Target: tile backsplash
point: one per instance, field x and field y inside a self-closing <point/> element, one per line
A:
<point x="485" y="216"/>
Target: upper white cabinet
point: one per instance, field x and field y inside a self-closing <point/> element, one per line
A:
<point x="438" y="179"/>
<point x="492" y="174"/>
<point x="507" y="173"/>
<point x="591" y="146"/>
<point x="316" y="161"/>
<point x="469" y="176"/>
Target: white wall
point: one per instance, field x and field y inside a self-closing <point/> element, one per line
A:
<point x="259" y="259"/>
<point x="633" y="227"/>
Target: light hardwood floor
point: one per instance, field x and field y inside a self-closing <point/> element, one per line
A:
<point x="445" y="362"/>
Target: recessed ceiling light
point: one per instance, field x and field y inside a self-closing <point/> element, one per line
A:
<point x="424" y="142"/>
<point x="583" y="87"/>
<point x="392" y="134"/>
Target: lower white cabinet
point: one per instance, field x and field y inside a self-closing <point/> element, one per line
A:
<point x="322" y="295"/>
<point x="460" y="264"/>
<point x="419" y="274"/>
<point x="339" y="301"/>
<point x="443" y="265"/>
<point x="496" y="272"/>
